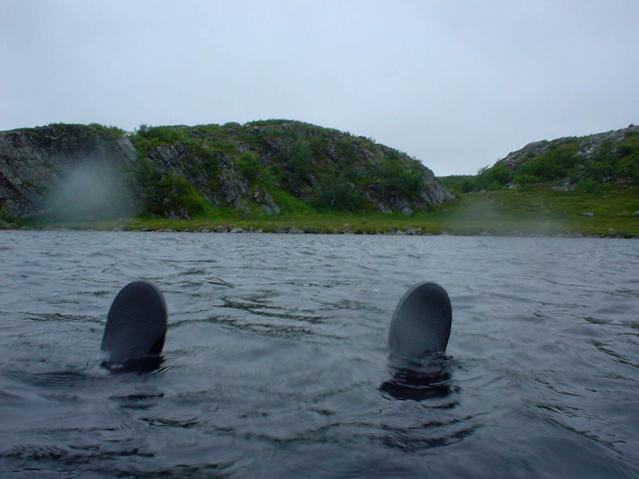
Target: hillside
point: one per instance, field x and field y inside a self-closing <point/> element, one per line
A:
<point x="65" y="170"/>
<point x="261" y="168"/>
<point x="285" y="176"/>
<point x="591" y="163"/>
<point x="585" y="185"/>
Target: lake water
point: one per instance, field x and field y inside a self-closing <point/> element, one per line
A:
<point x="276" y="362"/>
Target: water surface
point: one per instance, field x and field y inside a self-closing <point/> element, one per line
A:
<point x="276" y="362"/>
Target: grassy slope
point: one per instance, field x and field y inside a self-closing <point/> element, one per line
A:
<point x="544" y="211"/>
<point x="502" y="212"/>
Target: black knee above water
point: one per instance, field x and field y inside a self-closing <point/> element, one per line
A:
<point x="137" y="322"/>
<point x="421" y="322"/>
<point x="136" y="327"/>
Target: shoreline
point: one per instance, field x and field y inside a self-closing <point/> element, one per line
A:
<point x="294" y="230"/>
<point x="540" y="213"/>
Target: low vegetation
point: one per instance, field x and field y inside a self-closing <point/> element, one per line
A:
<point x="586" y="164"/>
<point x="231" y="165"/>
<point x="535" y="211"/>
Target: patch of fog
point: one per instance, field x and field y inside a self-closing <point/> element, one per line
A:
<point x="486" y="214"/>
<point x="89" y="191"/>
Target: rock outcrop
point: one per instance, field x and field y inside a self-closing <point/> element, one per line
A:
<point x="256" y="164"/>
<point x="586" y="147"/>
<point x="36" y="163"/>
<point x="262" y="167"/>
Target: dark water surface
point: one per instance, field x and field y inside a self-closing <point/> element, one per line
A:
<point x="276" y="362"/>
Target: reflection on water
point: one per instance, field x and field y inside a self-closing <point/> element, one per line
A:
<point x="418" y="380"/>
<point x="146" y="364"/>
<point x="276" y="365"/>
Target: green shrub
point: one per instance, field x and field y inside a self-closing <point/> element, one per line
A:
<point x="160" y="134"/>
<point x="146" y="138"/>
<point x="249" y="165"/>
<point x="183" y="198"/>
<point x="108" y="131"/>
<point x="501" y="174"/>
<point x="318" y="147"/>
<point x="553" y="164"/>
<point x="524" y="179"/>
<point x="396" y="178"/>
<point x="589" y="186"/>
<point x="346" y="150"/>
<point x="213" y="164"/>
<point x="165" y="194"/>
<point x="628" y="168"/>
<point x="467" y="185"/>
<point x="299" y="165"/>
<point x="4" y="214"/>
<point x="598" y="170"/>
<point x="486" y="179"/>
<point x="337" y="193"/>
<point x="459" y="183"/>
<point x="145" y="181"/>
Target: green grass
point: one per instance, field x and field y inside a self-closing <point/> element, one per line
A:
<point x="289" y="204"/>
<point x="543" y="211"/>
<point x="500" y="212"/>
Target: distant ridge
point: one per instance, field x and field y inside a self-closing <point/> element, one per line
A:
<point x="587" y="162"/>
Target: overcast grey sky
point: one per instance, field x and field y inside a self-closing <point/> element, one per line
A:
<point x="457" y="84"/>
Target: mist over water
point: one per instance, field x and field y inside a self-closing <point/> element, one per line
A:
<point x="90" y="190"/>
<point x="276" y="362"/>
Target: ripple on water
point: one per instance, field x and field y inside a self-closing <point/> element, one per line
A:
<point x="275" y="363"/>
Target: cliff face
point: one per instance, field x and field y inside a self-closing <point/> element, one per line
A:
<point x="259" y="168"/>
<point x="36" y="163"/>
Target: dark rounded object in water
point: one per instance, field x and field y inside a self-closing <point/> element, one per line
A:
<point x="136" y="328"/>
<point x="421" y="322"/>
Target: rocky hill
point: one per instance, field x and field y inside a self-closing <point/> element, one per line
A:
<point x="39" y="166"/>
<point x="261" y="167"/>
<point x="588" y="162"/>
